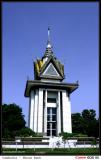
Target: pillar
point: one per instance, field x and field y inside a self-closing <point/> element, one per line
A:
<point x="31" y="115"/>
<point x="40" y="111"/>
<point x="36" y="112"/>
<point x="66" y="113"/>
<point x="58" y="115"/>
<point x="45" y="114"/>
<point x="69" y="113"/>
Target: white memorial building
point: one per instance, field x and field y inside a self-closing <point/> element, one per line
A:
<point x="49" y="96"/>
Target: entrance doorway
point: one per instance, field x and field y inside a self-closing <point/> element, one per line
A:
<point x="51" y="121"/>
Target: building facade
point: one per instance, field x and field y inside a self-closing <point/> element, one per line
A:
<point x="49" y="96"/>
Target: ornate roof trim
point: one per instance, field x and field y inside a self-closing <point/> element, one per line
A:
<point x="53" y="61"/>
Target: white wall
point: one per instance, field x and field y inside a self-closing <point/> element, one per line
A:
<point x="36" y="112"/>
<point x="66" y="112"/>
<point x="31" y="119"/>
<point x="58" y="115"/>
<point x="40" y="111"/>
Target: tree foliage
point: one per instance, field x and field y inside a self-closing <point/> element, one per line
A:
<point x="85" y="123"/>
<point x="88" y="114"/>
<point x="25" y="132"/>
<point x="13" y="123"/>
<point x="77" y="123"/>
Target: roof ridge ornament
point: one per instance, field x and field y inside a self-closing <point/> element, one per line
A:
<point x="48" y="34"/>
<point x="49" y="47"/>
<point x="48" y="42"/>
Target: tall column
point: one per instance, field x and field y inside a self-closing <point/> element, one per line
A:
<point x="31" y="119"/>
<point x="36" y="112"/>
<point x="66" y="113"/>
<point x="45" y="114"/>
<point x="40" y="111"/>
<point x="58" y="115"/>
<point x="69" y="113"/>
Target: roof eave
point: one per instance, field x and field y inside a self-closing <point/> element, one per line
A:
<point x="35" y="84"/>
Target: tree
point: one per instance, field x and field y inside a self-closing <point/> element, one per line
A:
<point x="12" y="120"/>
<point x="93" y="128"/>
<point x="77" y="123"/>
<point x="85" y="123"/>
<point x="25" y="132"/>
<point x="91" y="122"/>
<point x="88" y="114"/>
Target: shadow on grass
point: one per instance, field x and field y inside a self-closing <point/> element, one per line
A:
<point x="55" y="151"/>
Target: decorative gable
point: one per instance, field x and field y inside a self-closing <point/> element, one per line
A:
<point x="50" y="71"/>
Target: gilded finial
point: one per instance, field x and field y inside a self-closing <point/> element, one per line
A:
<point x="48" y="34"/>
<point x="48" y="42"/>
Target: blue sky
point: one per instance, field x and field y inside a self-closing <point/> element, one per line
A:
<point x="75" y="39"/>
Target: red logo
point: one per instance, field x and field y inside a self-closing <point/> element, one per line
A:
<point x="80" y="157"/>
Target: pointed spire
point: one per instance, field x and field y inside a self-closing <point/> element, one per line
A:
<point x="48" y="51"/>
<point x="48" y="42"/>
<point x="48" y="34"/>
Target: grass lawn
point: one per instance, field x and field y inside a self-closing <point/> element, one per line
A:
<point x="48" y="151"/>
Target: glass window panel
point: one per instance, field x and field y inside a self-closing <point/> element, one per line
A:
<point x="48" y="117"/>
<point x="48" y="125"/>
<point x="53" y="132"/>
<point x="54" y="125"/>
<point x="48" y="110"/>
<point x="48" y="132"/>
<point x="51" y="100"/>
<point x="54" y="111"/>
<point x="54" y="118"/>
<point x="51" y="124"/>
